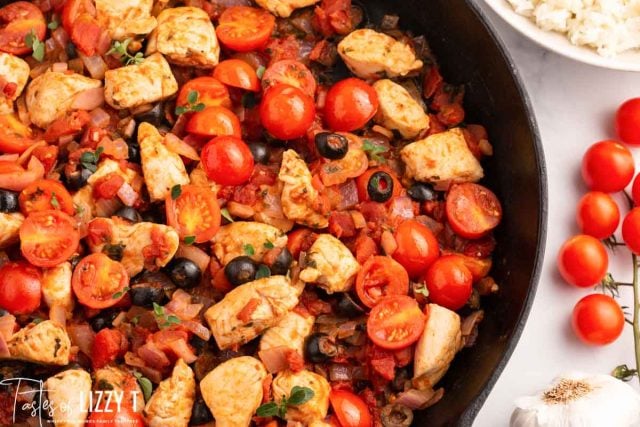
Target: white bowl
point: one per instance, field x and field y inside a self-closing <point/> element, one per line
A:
<point x="559" y="43"/>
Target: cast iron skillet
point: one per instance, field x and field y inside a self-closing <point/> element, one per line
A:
<point x="469" y="53"/>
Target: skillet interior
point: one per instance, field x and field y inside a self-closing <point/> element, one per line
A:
<point x="470" y="54"/>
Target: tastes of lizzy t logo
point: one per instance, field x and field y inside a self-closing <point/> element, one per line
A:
<point x="29" y="399"/>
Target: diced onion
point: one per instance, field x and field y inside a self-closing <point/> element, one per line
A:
<point x="180" y="147"/>
<point x="88" y="99"/>
<point x="82" y="335"/>
<point x="59" y="67"/>
<point x="99" y="118"/>
<point x="107" y="207"/>
<point x="95" y="65"/>
<point x="58" y="314"/>
<point x="127" y="194"/>
<point x="195" y="254"/>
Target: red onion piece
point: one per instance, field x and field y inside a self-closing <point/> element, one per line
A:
<point x="275" y="358"/>
<point x="7" y="326"/>
<point x="88" y="99"/>
<point x="99" y="118"/>
<point x="82" y="336"/>
<point x="95" y="65"/>
<point x="195" y="254"/>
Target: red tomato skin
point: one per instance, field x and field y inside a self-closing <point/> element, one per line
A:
<point x="449" y="282"/>
<point x="381" y="272"/>
<point x="396" y="312"/>
<point x="15" y="137"/>
<point x="237" y="73"/>
<point x="20" y="288"/>
<point x="583" y="261"/>
<point x="607" y="166"/>
<point x="112" y="417"/>
<point x="227" y="160"/>
<point x="214" y="121"/>
<point x="255" y="26"/>
<point x="65" y="235"/>
<point x="350" y="409"/>
<point x="597" y="319"/>
<point x="635" y="191"/>
<point x="291" y="72"/>
<point x="472" y="210"/>
<point x="631" y="230"/>
<point x="108" y="345"/>
<point x="350" y="104"/>
<point x="417" y="247"/>
<point x="287" y="112"/>
<point x="598" y="215"/>
<point x="18" y="19"/>
<point x="628" y="122"/>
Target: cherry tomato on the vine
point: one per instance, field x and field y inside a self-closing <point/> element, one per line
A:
<point x="598" y="215"/>
<point x="583" y="261"/>
<point x="607" y="166"/>
<point x="631" y="230"/>
<point x="628" y="121"/>
<point x="597" y="319"/>
<point x="635" y="191"/>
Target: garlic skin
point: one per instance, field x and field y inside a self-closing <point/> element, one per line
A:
<point x="580" y="400"/>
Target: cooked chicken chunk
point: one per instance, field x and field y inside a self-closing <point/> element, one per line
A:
<point x="9" y="228"/>
<point x="233" y="391"/>
<point x="13" y="70"/>
<point x="56" y="287"/>
<point x="199" y="178"/>
<point x="171" y="403"/>
<point x="248" y="310"/>
<point x="50" y="95"/>
<point x="162" y="168"/>
<point x="107" y="167"/>
<point x="138" y="84"/>
<point x="126" y="18"/>
<point x="370" y="55"/>
<point x="120" y="381"/>
<point x="141" y="242"/>
<point x="284" y="8"/>
<point x="185" y="35"/>
<point x="398" y="110"/>
<point x="70" y="390"/>
<point x="299" y="197"/>
<point x="289" y="332"/>
<point x="330" y="264"/>
<point x="46" y="342"/>
<point x="441" y="158"/>
<point x="438" y="344"/>
<point x="313" y="410"/>
<point x="239" y="238"/>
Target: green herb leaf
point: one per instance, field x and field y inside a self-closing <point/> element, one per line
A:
<point x="263" y="271"/>
<point x="192" y="97"/>
<point x="300" y="395"/>
<point x="180" y="110"/>
<point x="37" y="320"/>
<point x="135" y="319"/>
<point x="119" y="295"/>
<point x="226" y="215"/>
<point x="54" y="200"/>
<point x="260" y="71"/>
<point x="158" y="310"/>
<point x="53" y="25"/>
<point x="189" y="240"/>
<point x="269" y="409"/>
<point x="145" y="385"/>
<point x="248" y="249"/>
<point x="176" y="191"/>
<point x="192" y="104"/>
<point x="198" y="107"/>
<point x="32" y="40"/>
<point x="422" y="290"/>
<point x="374" y="150"/>
<point x="122" y="49"/>
<point x="172" y="320"/>
<point x="269" y="244"/>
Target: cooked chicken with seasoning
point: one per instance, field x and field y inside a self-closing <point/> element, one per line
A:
<point x="171" y="403"/>
<point x="290" y="332"/>
<point x="438" y="344"/>
<point x="371" y="55"/>
<point x="162" y="168"/>
<point x="185" y="36"/>
<point x="9" y="227"/>
<point x="45" y="342"/>
<point x="246" y="238"/>
<point x="441" y="158"/>
<point x="126" y="18"/>
<point x="330" y="265"/>
<point x="284" y="8"/>
<point x="313" y="410"/>
<point x="250" y="309"/>
<point x="14" y="71"/>
<point x="56" y="287"/>
<point x="398" y="110"/>
<point x="70" y="390"/>
<point x="51" y="95"/>
<point x="107" y="167"/>
<point x="121" y="381"/>
<point x="233" y="391"/>
<point x="139" y="84"/>
<point x="299" y="197"/>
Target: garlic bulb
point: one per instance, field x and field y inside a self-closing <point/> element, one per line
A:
<point x="580" y="400"/>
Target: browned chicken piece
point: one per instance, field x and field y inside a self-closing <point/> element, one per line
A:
<point x="172" y="402"/>
<point x="70" y="390"/>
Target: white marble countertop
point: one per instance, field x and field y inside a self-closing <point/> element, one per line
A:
<point x="574" y="105"/>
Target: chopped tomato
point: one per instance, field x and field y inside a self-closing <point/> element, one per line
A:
<point x="237" y="73"/>
<point x="382" y="362"/>
<point x="114" y="416"/>
<point x="48" y="156"/>
<point x="17" y="20"/>
<point x="214" y="121"/>
<point x="48" y="238"/>
<point x="395" y="322"/>
<point x="472" y="210"/>
<point x="350" y="409"/>
<point x="243" y="28"/>
<point x="291" y="72"/>
<point x="341" y="224"/>
<point x="46" y="194"/>
<point x="107" y="187"/>
<point x="363" y="182"/>
<point x="78" y="19"/>
<point x="70" y="124"/>
<point x="334" y="16"/>
<point x="195" y="212"/>
<point x="365" y="247"/>
<point x="20" y="287"/>
<point x="14" y="177"/>
<point x="108" y="345"/>
<point x="211" y="92"/>
<point x="98" y="281"/>
<point x="15" y="137"/>
<point x="381" y="276"/>
<point x="300" y="240"/>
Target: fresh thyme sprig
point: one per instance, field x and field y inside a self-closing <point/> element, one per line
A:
<point x="121" y="49"/>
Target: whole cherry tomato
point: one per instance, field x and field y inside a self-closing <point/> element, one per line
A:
<point x="417" y="247"/>
<point x="287" y="112"/>
<point x="350" y="104"/>
<point x="20" y="287"/>
<point x="631" y="230"/>
<point x="449" y="282"/>
<point x="227" y="160"/>
<point x="350" y="409"/>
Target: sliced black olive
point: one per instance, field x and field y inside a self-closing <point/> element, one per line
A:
<point x="282" y="263"/>
<point x="156" y="215"/>
<point x="184" y="272"/>
<point x="348" y="307"/>
<point x="145" y="294"/>
<point x="421" y="192"/>
<point x="102" y="320"/>
<point x="394" y="415"/>
<point x="331" y="145"/>
<point x="78" y="178"/>
<point x="155" y="115"/>
<point x="200" y="413"/>
<point x="380" y="187"/>
<point x="260" y="152"/>
<point x="319" y="348"/>
<point x="241" y="270"/>
<point x="134" y="152"/>
<point x="128" y="213"/>
<point x="71" y="50"/>
<point x="8" y="201"/>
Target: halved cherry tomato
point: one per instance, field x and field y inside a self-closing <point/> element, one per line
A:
<point x="598" y="215"/>
<point x="354" y="164"/>
<point x="381" y="276"/>
<point x="472" y="210"/>
<point x="214" y="121"/>
<point x="211" y="92"/>
<point x="607" y="166"/>
<point x="395" y="322"/>
<point x="17" y="20"/>
<point x="112" y="416"/>
<point x="287" y="112"/>
<point x="417" y="247"/>
<point x="350" y="409"/>
<point x="237" y="73"/>
<point x="597" y="319"/>
<point x="300" y="240"/>
<point x="291" y="72"/>
<point x="243" y="28"/>
<point x="350" y="104"/>
<point x="363" y="181"/>
<point x="46" y="194"/>
<point x="449" y="282"/>
<point x="195" y="212"/>
<point x="15" y="137"/>
<point x="227" y="160"/>
<point x="98" y="281"/>
<point x="583" y="260"/>
<point x="20" y="287"/>
<point x="48" y="238"/>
